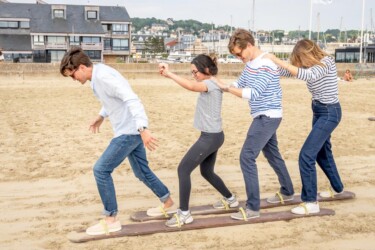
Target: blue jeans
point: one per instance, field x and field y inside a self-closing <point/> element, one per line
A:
<point x="262" y="137"/>
<point x="317" y="148"/>
<point x="130" y="146"/>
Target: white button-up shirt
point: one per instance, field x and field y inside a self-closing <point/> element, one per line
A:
<point x="119" y="103"/>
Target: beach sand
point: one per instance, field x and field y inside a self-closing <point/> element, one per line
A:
<point x="47" y="188"/>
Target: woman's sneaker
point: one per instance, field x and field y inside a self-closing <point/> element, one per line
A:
<point x="280" y="198"/>
<point x="226" y="203"/>
<point x="330" y="193"/>
<point x="306" y="208"/>
<point x="245" y="214"/>
<point x="179" y="219"/>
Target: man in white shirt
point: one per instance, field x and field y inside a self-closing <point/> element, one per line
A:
<point x="129" y="121"/>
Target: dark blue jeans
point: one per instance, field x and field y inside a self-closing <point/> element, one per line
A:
<point x="262" y="137"/>
<point x="317" y="148"/>
<point x="130" y="146"/>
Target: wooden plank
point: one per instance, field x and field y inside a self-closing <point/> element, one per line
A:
<point x="209" y="209"/>
<point x="199" y="223"/>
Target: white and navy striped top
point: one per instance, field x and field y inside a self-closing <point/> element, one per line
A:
<point x="262" y="78"/>
<point x="321" y="80"/>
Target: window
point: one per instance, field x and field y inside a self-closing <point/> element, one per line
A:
<point x="106" y="27"/>
<point x="56" y="55"/>
<point x="9" y="24"/>
<point x="39" y="40"/>
<point x="56" y="39"/>
<point x="120" y="44"/>
<point x="340" y="56"/>
<point x="24" y="24"/>
<point x="91" y="14"/>
<point x="90" y="39"/>
<point x="74" y="40"/>
<point x="94" y="54"/>
<point x="39" y="56"/>
<point x="107" y="44"/>
<point x="58" y="13"/>
<point x="120" y="29"/>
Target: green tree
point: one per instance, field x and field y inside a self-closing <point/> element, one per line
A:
<point x="154" y="45"/>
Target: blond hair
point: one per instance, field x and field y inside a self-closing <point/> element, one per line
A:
<point x="306" y="54"/>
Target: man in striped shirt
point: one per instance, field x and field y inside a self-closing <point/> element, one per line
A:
<point x="260" y="84"/>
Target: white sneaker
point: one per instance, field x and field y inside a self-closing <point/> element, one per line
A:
<point x="226" y="204"/>
<point x="280" y="198"/>
<point x="104" y="228"/>
<point x="330" y="193"/>
<point x="306" y="208"/>
<point x="179" y="219"/>
<point x="160" y="210"/>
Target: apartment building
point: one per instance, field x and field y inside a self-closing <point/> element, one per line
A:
<point x="44" y="32"/>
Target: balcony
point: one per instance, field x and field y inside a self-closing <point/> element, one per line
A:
<point x="60" y="46"/>
<point x="39" y="46"/>
<point x="92" y="46"/>
<point x="119" y="34"/>
<point x="108" y="51"/>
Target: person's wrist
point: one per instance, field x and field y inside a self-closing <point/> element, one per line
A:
<point x="141" y="129"/>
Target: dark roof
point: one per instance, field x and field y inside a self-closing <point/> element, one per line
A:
<point x="113" y="14"/>
<point x="15" y="42"/>
<point x="41" y="20"/>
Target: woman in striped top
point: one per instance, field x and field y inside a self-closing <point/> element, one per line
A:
<point x="318" y="69"/>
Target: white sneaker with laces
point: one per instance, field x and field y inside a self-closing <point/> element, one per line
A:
<point x="330" y="193"/>
<point x="104" y="228"/>
<point x="179" y="219"/>
<point x="226" y="204"/>
<point x="306" y="208"/>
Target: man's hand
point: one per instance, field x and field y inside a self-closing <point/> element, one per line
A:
<point x="94" y="126"/>
<point x="224" y="87"/>
<point x="148" y="140"/>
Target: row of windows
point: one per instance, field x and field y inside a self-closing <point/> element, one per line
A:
<point x="109" y="44"/>
<point x="59" y="13"/>
<point x="116" y="28"/>
<point x="353" y="57"/>
<point x="15" y="24"/>
<point x="57" y="55"/>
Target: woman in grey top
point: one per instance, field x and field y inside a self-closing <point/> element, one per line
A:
<point x="207" y="119"/>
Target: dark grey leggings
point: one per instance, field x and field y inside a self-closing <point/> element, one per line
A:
<point x="202" y="153"/>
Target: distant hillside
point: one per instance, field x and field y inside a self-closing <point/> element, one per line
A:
<point x="331" y="35"/>
<point x="190" y="25"/>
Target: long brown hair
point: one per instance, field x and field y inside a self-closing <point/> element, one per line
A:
<point x="306" y="54"/>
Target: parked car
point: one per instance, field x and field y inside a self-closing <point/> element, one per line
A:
<point x="233" y="59"/>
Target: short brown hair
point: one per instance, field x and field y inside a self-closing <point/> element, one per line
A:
<point x="72" y="59"/>
<point x="240" y="38"/>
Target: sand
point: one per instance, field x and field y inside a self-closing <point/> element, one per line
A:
<point x="47" y="188"/>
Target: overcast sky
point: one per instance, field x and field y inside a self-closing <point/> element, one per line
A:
<point x="269" y="14"/>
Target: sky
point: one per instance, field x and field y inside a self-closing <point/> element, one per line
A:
<point x="268" y="14"/>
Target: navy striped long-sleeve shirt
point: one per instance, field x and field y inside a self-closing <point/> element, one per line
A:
<point x="321" y="80"/>
<point x="262" y="78"/>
